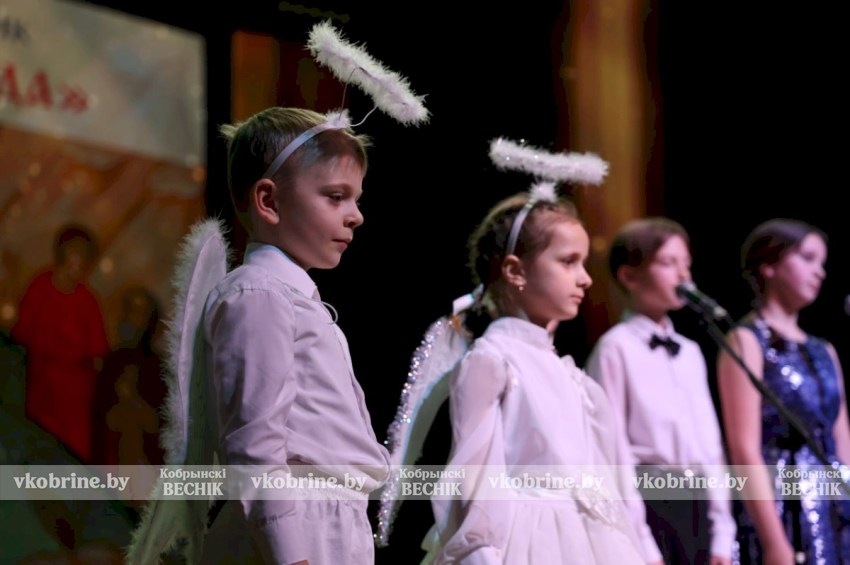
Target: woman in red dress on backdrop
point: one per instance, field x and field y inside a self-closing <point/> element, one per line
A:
<point x="61" y="326"/>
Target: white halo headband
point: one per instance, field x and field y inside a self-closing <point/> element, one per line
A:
<point x="545" y="192"/>
<point x="548" y="168"/>
<point x="336" y="120"/>
<point x="352" y="64"/>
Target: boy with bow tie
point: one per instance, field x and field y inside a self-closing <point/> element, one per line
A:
<point x="657" y="382"/>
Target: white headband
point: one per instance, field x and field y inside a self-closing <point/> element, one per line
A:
<point x="335" y="120"/>
<point x="540" y="192"/>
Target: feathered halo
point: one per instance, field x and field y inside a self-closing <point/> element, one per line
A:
<point x="583" y="168"/>
<point x="353" y="65"/>
<point x="548" y="168"/>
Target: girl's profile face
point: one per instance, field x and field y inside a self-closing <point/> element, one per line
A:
<point x="797" y="278"/>
<point x="556" y="279"/>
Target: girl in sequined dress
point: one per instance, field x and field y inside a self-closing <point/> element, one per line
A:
<point x="790" y="510"/>
<point x="519" y="410"/>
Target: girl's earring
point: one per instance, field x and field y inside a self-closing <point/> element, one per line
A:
<point x="521" y="287"/>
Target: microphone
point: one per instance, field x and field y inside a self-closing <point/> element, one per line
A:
<point x="701" y="302"/>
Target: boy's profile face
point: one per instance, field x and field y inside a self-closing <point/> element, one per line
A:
<point x="653" y="285"/>
<point x="319" y="214"/>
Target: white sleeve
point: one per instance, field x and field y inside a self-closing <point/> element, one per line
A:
<point x="605" y="365"/>
<point x="474" y="530"/>
<point x="251" y="334"/>
<point x="722" y="526"/>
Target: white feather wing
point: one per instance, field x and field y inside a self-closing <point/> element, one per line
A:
<point x="202" y="262"/>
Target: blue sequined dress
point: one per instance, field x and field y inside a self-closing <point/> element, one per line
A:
<point x="804" y="378"/>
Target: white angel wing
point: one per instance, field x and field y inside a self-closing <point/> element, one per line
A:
<point x="426" y="389"/>
<point x="202" y="262"/>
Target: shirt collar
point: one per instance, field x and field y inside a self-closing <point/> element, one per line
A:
<point x="281" y="265"/>
<point x="521" y="330"/>
<point x="645" y="328"/>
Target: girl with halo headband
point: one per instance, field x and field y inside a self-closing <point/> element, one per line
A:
<point x="533" y="443"/>
<point x="260" y="377"/>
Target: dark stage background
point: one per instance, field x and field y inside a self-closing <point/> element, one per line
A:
<point x="751" y="100"/>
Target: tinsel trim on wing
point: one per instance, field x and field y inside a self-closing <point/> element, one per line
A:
<point x="424" y="392"/>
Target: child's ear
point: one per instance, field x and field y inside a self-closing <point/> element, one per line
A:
<point x="766" y="271"/>
<point x="264" y="201"/>
<point x="512" y="271"/>
<point x="627" y="275"/>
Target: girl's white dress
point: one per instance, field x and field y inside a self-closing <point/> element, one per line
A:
<point x="526" y="422"/>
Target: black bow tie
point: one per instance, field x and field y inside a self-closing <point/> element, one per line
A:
<point x="671" y="346"/>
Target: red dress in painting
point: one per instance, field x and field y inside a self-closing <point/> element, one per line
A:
<point x="63" y="333"/>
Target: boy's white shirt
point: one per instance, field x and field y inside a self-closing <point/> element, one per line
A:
<point x="671" y="417"/>
<point x="275" y="356"/>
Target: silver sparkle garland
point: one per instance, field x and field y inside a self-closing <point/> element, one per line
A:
<point x="424" y="369"/>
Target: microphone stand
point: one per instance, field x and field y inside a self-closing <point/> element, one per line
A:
<point x="717" y="335"/>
